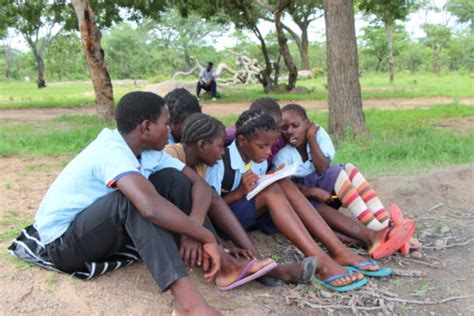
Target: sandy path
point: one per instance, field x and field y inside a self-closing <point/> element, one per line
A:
<point x="220" y="109"/>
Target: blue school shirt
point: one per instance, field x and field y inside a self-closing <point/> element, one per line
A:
<point x="171" y="139"/>
<point x="238" y="165"/>
<point x="289" y="155"/>
<point x="91" y="175"/>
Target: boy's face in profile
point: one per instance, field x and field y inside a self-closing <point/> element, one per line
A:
<point x="158" y="130"/>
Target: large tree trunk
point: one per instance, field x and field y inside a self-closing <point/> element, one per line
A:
<point x="345" y="101"/>
<point x="284" y="50"/>
<point x="391" y="65"/>
<point x="90" y="36"/>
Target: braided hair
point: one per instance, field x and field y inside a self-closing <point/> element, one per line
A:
<point x="199" y="126"/>
<point x="251" y="123"/>
<point x="181" y="103"/>
<point x="297" y="108"/>
<point x="136" y="107"/>
<point x="268" y="105"/>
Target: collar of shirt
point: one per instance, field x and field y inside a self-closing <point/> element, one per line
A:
<point x="237" y="163"/>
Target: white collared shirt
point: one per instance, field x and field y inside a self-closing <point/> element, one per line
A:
<point x="289" y="155"/>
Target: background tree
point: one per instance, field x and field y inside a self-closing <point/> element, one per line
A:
<point x="38" y="21"/>
<point x="245" y="14"/>
<point x="437" y="38"/>
<point x="302" y="13"/>
<point x="185" y="33"/>
<point x="388" y="11"/>
<point x="345" y="101"/>
<point x="64" y="58"/>
<point x="282" y="43"/>
<point x="463" y="10"/>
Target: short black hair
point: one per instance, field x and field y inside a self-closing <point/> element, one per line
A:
<point x="297" y="108"/>
<point x="210" y="63"/>
<point x="268" y="105"/>
<point x="136" y="107"/>
<point x="199" y="126"/>
<point x="181" y="103"/>
<point x="251" y="123"/>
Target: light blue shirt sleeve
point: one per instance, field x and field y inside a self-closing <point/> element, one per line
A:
<point x="153" y="161"/>
<point x="325" y="143"/>
<point x="214" y="176"/>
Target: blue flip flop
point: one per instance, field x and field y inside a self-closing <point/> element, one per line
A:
<point x="344" y="288"/>
<point x="381" y="272"/>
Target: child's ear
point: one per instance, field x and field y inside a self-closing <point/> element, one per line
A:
<point x="145" y="126"/>
<point x="200" y="145"/>
<point x="307" y="123"/>
<point x="241" y="140"/>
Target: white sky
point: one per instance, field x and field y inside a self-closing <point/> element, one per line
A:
<point x="413" y="25"/>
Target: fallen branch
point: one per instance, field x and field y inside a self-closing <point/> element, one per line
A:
<point x="409" y="273"/>
<point x="448" y="299"/>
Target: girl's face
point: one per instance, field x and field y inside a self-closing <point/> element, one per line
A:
<point x="294" y="128"/>
<point x="211" y="152"/>
<point x="257" y="147"/>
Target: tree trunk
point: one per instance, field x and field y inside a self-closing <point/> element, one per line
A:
<point x="283" y="46"/>
<point x="436" y="60"/>
<point x="265" y="74"/>
<point x="40" y="63"/>
<point x="391" y="66"/>
<point x="304" y="49"/>
<point x="345" y="102"/>
<point x="8" y="61"/>
<point x="90" y="37"/>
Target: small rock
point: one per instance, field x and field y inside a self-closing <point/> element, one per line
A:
<point x="325" y="294"/>
<point x="439" y="243"/>
<point x="445" y="229"/>
<point x="416" y="254"/>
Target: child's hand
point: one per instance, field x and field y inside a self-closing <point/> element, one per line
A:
<point x="191" y="252"/>
<point x="271" y="172"/>
<point x="312" y="130"/>
<point x="249" y="180"/>
<point x="212" y="260"/>
<point x="321" y="195"/>
<point x="238" y="253"/>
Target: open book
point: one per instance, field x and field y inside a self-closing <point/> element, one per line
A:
<point x="268" y="179"/>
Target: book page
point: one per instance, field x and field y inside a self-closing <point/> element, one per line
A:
<point x="267" y="179"/>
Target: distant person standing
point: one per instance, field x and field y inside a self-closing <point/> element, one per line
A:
<point x="207" y="81"/>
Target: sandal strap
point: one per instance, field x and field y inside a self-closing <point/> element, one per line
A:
<point x="339" y="276"/>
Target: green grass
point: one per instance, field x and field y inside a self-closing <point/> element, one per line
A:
<point x="374" y="85"/>
<point x="67" y="94"/>
<point x="66" y="135"/>
<point x="401" y="141"/>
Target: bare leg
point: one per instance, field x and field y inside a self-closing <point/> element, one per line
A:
<point x="223" y="218"/>
<point x="318" y="227"/>
<point x="288" y="222"/>
<point x="367" y="237"/>
<point x="188" y="301"/>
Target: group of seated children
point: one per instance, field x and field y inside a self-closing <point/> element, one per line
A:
<point x="184" y="205"/>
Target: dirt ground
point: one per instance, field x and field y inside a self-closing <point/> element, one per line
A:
<point x="222" y="109"/>
<point x="441" y="201"/>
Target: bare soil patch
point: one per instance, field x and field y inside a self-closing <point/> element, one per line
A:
<point x="456" y="124"/>
<point x="442" y="202"/>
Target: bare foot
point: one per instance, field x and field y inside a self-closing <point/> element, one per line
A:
<point x="330" y="268"/>
<point x="198" y="310"/>
<point x="377" y="241"/>
<point x="230" y="274"/>
<point x="347" y="257"/>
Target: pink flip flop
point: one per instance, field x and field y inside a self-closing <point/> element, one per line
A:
<point x="400" y="235"/>
<point x="242" y="279"/>
<point x="397" y="217"/>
